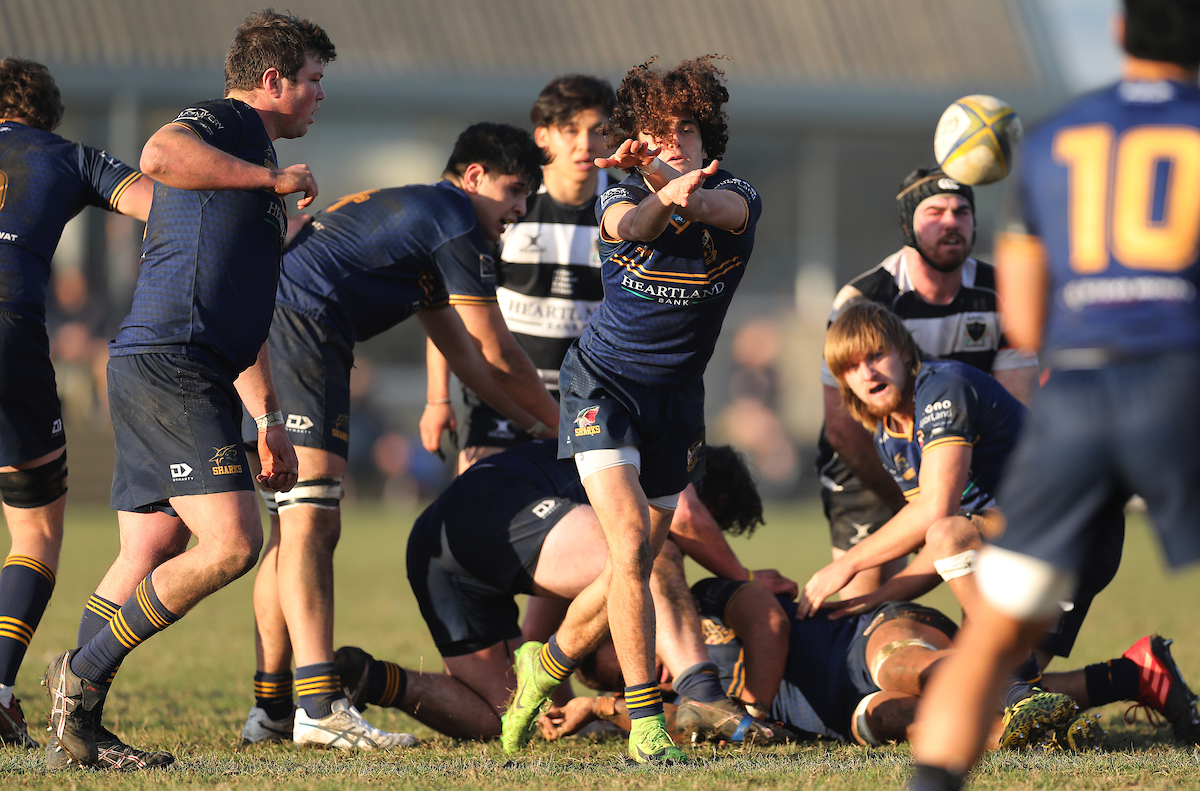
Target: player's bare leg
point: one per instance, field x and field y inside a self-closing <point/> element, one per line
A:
<point x="29" y="571"/>
<point x="272" y="641"/>
<point x="147" y="541"/>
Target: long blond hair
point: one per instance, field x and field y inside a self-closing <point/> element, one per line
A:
<point x="865" y="327"/>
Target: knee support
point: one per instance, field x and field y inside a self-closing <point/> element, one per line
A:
<point x="36" y="486"/>
<point x="268" y="496"/>
<point x="888" y="649"/>
<point x="324" y="493"/>
<point x="956" y="566"/>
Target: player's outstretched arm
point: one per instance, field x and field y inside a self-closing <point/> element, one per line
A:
<point x="457" y="347"/>
<point x="943" y="475"/>
<point x="177" y="158"/>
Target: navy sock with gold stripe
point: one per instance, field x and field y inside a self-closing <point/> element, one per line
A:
<point x="273" y="694"/>
<point x="318" y="686"/>
<point x="96" y="614"/>
<point x="25" y="587"/>
<point x="643" y="700"/>
<point x="554" y="661"/>
<point x="386" y="684"/>
<point x="140" y="617"/>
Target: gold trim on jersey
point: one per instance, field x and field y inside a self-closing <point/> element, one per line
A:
<point x="125" y="184"/>
<point x="465" y="299"/>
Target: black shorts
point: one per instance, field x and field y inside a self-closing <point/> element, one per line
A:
<point x="473" y="550"/>
<point x="177" y="427"/>
<point x="853" y="514"/>
<point x="310" y="365"/>
<point x="30" y="415"/>
<point x="599" y="411"/>
<point x="487" y="428"/>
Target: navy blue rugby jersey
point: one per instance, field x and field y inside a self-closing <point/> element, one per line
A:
<point x="549" y="278"/>
<point x="210" y="259"/>
<point x="955" y="404"/>
<point x="665" y="301"/>
<point x="1108" y="195"/>
<point x="371" y="260"/>
<point x="537" y="463"/>
<point x="44" y="182"/>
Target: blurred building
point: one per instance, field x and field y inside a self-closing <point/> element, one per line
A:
<point x="833" y="102"/>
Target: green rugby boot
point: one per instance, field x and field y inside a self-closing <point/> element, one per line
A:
<point x="529" y="701"/>
<point x="1033" y="719"/>
<point x="649" y="742"/>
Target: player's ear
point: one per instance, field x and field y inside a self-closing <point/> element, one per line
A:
<point x="541" y="136"/>
<point x="271" y="82"/>
<point x="472" y="177"/>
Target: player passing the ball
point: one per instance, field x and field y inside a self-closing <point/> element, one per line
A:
<point x="1098" y="268"/>
<point x="675" y="238"/>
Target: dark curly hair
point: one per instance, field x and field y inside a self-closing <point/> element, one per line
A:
<point x="28" y="90"/>
<point x="729" y="492"/>
<point x="648" y="97"/>
<point x="267" y="39"/>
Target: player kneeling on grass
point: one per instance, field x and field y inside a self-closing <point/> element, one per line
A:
<point x="860" y="679"/>
<point x="512" y="524"/>
<point x="945" y="431"/>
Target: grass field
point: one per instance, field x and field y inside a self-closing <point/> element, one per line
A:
<point x="188" y="689"/>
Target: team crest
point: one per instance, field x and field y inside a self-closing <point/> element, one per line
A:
<point x="976" y="332"/>
<point x="224" y="461"/>
<point x="341" y="428"/>
<point x="487" y="267"/>
<point x="716" y="633"/>
<point x="710" y="251"/>
<point x="695" y="455"/>
<point x="585" y="421"/>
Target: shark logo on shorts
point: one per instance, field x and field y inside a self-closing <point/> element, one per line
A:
<point x="223" y="461"/>
<point x="694" y="455"/>
<point x="585" y="421"/>
<point x="341" y="428"/>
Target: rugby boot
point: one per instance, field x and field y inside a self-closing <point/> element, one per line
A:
<point x="12" y="726"/>
<point x="649" y="742"/>
<point x="1034" y="718"/>
<point x="529" y="700"/>
<point x="260" y="728"/>
<point x="354" y="667"/>
<point x="727" y="721"/>
<point x="1162" y="689"/>
<point x="345" y="729"/>
<point x="111" y="753"/>
<point x="1083" y="734"/>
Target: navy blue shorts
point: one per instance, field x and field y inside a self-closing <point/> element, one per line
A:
<point x="487" y="428"/>
<point x="853" y="514"/>
<point x="310" y="365"/>
<point x="826" y="674"/>
<point x="1094" y="438"/>
<point x="177" y="427"/>
<point x="30" y="415"/>
<point x="599" y="411"/>
<point x="473" y="550"/>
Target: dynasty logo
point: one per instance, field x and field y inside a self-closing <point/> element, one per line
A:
<point x="585" y="421"/>
<point x="224" y="459"/>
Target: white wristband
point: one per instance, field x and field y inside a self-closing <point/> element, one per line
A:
<point x="649" y="170"/>
<point x="270" y="419"/>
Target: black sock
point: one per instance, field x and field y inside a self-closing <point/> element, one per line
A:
<point x="386" y="683"/>
<point x="700" y="682"/>
<point x="273" y="694"/>
<point x="139" y="618"/>
<point x="318" y="686"/>
<point x="1029" y="671"/>
<point x="25" y="587"/>
<point x="935" y="778"/>
<point x="1108" y="682"/>
<point x="1015" y="690"/>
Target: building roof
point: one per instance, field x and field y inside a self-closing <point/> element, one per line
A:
<point x="811" y="52"/>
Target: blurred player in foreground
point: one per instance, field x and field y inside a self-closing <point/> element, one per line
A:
<point x="675" y="238"/>
<point x="365" y="264"/>
<point x="187" y="358"/>
<point x="44" y="182"/>
<point x="1099" y="270"/>
<point x="518" y="523"/>
<point x="548" y="274"/>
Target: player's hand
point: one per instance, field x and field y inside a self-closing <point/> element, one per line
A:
<point x="567" y="720"/>
<point x="278" y="458"/>
<point x="296" y="178"/>
<point x="434" y="420"/>
<point x="775" y="582"/>
<point x="680" y="191"/>
<point x="630" y="154"/>
<point x="821" y="586"/>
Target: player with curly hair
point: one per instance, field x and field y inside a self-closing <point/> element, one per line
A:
<point x="674" y="238"/>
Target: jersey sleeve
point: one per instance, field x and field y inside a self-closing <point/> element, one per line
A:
<point x="747" y="193"/>
<point x="217" y="124"/>
<point x="615" y="196"/>
<point x="947" y="409"/>
<point x="468" y="269"/>
<point x="107" y="176"/>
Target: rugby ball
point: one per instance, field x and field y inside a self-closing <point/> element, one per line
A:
<point x="976" y="139"/>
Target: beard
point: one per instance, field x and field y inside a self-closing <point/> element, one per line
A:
<point x="881" y="409"/>
<point x="949" y="262"/>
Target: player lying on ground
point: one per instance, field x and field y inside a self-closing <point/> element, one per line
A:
<point x="860" y="679"/>
<point x="512" y="524"/>
<point x="363" y="265"/>
<point x="944" y="430"/>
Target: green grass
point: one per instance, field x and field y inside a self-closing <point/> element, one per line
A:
<point x="188" y="689"/>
